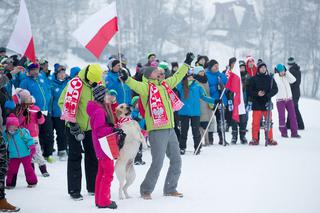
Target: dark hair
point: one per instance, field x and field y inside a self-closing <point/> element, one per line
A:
<point x="185" y="85"/>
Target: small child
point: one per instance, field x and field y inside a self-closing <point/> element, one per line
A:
<point x="19" y="143"/>
<point x="135" y="114"/>
<point x="101" y="122"/>
<point x="30" y="117"/>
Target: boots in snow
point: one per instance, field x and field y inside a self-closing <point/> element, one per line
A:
<point x="43" y="170"/>
<point x="272" y="142"/>
<point x="62" y="155"/>
<point x="243" y="138"/>
<point x="7" y="207"/>
<point x="112" y="205"/>
<point x="234" y="137"/>
<point x="254" y="142"/>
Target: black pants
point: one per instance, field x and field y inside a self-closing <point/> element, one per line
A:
<point x="3" y="166"/>
<point x="195" y="125"/>
<point x="298" y="115"/>
<point x="59" y="126"/>
<point x="177" y="124"/>
<point x="46" y="137"/>
<point x="74" y="163"/>
<point x="242" y="126"/>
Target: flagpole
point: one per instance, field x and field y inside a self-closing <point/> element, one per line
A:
<point x="119" y="39"/>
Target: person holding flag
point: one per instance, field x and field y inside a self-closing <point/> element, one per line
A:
<point x="239" y="116"/>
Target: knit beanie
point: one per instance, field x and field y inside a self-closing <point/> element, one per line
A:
<point x="211" y="63"/>
<point x="12" y="120"/>
<point x="261" y="64"/>
<point x="280" y="68"/>
<point x="242" y="63"/>
<point x="112" y="92"/>
<point x="198" y="69"/>
<point x="291" y="61"/>
<point x="99" y="93"/>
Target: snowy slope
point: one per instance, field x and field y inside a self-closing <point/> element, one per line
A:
<point x="239" y="179"/>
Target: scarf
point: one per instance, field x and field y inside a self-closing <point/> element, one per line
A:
<point x="71" y="100"/>
<point x="123" y="120"/>
<point x="157" y="109"/>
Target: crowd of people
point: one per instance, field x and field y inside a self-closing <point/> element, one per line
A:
<point x="165" y="100"/>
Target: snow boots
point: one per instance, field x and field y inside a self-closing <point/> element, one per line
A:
<point x="7" y="207"/>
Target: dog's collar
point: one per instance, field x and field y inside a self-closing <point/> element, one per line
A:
<point x="124" y="120"/>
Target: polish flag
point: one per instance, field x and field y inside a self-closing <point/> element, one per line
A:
<point x="95" y="33"/>
<point x="21" y="40"/>
<point x="234" y="84"/>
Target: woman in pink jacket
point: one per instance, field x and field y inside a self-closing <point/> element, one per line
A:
<point x="30" y="117"/>
<point x="102" y="121"/>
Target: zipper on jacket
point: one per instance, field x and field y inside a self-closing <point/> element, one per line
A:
<point x="16" y="146"/>
<point x="44" y="98"/>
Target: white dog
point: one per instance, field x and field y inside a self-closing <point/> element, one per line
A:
<point x="124" y="165"/>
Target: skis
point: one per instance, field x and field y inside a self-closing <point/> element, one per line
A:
<point x="269" y="107"/>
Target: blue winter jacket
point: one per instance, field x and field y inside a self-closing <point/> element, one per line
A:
<point x="124" y="92"/>
<point x="19" y="143"/>
<point x="56" y="90"/>
<point x="191" y="105"/>
<point x="135" y="114"/>
<point x="213" y="80"/>
<point x="40" y="90"/>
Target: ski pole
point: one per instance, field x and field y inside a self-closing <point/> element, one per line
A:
<point x="213" y="114"/>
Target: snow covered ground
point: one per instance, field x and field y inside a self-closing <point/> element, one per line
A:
<point x="239" y="179"/>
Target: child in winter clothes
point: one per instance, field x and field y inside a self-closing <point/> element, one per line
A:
<point x="30" y="117"/>
<point x="190" y="93"/>
<point x="101" y="121"/>
<point x="135" y="114"/>
<point x="261" y="89"/>
<point x="20" y="148"/>
<point x="4" y="205"/>
<point x="283" y="79"/>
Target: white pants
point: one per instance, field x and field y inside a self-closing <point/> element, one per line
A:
<point x="38" y="158"/>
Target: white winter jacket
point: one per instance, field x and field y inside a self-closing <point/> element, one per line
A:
<point x="283" y="83"/>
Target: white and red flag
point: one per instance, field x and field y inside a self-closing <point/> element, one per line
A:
<point x="234" y="84"/>
<point x="21" y="40"/>
<point x="96" y="32"/>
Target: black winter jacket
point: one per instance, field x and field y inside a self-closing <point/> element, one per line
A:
<point x="295" y="87"/>
<point x="261" y="82"/>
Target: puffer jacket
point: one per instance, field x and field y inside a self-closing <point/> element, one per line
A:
<point x="100" y="128"/>
<point x="31" y="122"/>
<point x="124" y="92"/>
<point x="19" y="143"/>
<point x="56" y="90"/>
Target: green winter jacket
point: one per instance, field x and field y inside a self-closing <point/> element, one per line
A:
<point x="86" y="96"/>
<point x="142" y="88"/>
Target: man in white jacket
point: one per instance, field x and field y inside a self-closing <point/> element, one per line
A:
<point x="283" y="79"/>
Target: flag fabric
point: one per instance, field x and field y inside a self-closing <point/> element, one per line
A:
<point x="109" y="145"/>
<point x="96" y="32"/>
<point x="21" y="40"/>
<point x="234" y="84"/>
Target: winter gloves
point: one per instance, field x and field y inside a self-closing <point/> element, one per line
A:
<point x="123" y="75"/>
<point x="189" y="58"/>
<point x="76" y="131"/>
<point x="39" y="114"/>
<point x="122" y="136"/>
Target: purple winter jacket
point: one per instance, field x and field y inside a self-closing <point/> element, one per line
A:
<point x="99" y="126"/>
